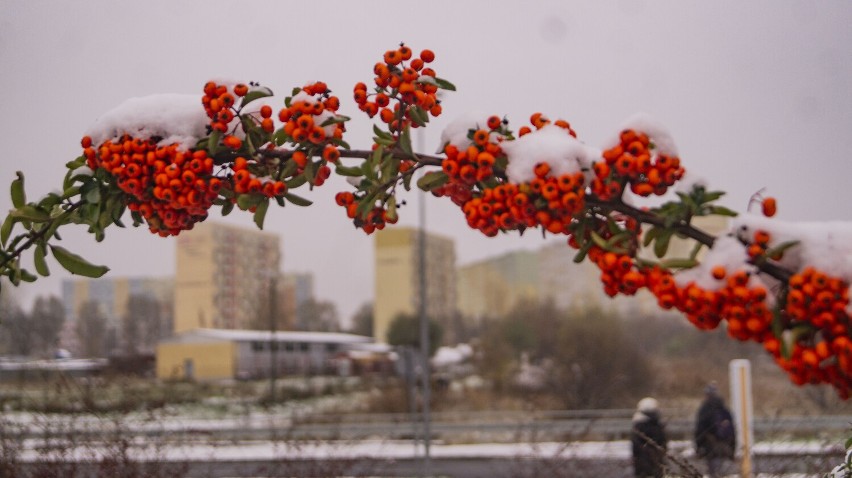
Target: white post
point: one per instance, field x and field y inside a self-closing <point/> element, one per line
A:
<point x="742" y="408"/>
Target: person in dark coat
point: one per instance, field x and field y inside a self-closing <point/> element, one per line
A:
<point x="715" y="436"/>
<point x="648" y="440"/>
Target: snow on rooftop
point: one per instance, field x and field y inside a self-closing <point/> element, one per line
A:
<point x="265" y="335"/>
<point x="173" y="117"/>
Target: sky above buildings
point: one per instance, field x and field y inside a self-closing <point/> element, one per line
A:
<point x="757" y="96"/>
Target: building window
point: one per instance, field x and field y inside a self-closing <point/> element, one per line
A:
<point x="257" y="346"/>
<point x="303" y="347"/>
<point x="289" y="346"/>
<point x="331" y="347"/>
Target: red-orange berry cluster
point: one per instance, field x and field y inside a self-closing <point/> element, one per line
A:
<point x="404" y="81"/>
<point x="244" y="182"/>
<point x="618" y="272"/>
<point x="170" y="188"/>
<point x="546" y="201"/>
<point x="219" y="104"/>
<point x="374" y="220"/>
<point x="631" y="162"/>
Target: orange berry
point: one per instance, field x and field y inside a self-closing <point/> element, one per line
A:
<point x="769" y="207"/>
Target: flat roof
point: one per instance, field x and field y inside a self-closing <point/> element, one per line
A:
<point x="239" y="335"/>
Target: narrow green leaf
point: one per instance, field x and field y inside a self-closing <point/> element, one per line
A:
<point x="19" y="198"/>
<point x="297" y="200"/>
<point x="245" y="201"/>
<point x="260" y="213"/>
<point x="296" y="181"/>
<point x="213" y="142"/>
<point x="778" y="250"/>
<point x="712" y="196"/>
<point x="444" y="84"/>
<point x="76" y="264"/>
<point x="348" y="171"/>
<point x="30" y="213"/>
<point x="679" y="263"/>
<point x="391" y="215"/>
<point x="432" y="180"/>
<point x="650" y="235"/>
<point x="38" y="257"/>
<point x="419" y="116"/>
<point x="598" y="240"/>
<point x="384" y="141"/>
<point x="227" y="208"/>
<point x="6" y="229"/>
<point x="661" y="246"/>
<point x="382" y="134"/>
<point x="405" y="142"/>
<point x="335" y="120"/>
<point x="255" y="93"/>
<point x="721" y="211"/>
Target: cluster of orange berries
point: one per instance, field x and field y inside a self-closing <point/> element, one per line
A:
<point x="547" y="201"/>
<point x="405" y="81"/>
<point x="814" y="298"/>
<point x="618" y="273"/>
<point x="631" y="162"/>
<point x="170" y="188"/>
<point x="374" y="220"/>
<point x="244" y="182"/>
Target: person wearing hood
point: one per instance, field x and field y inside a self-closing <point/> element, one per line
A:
<point x="715" y="434"/>
<point x="648" y="440"/>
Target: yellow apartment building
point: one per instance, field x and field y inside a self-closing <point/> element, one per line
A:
<point x="397" y="278"/>
<point x="223" y="276"/>
<point x="490" y="288"/>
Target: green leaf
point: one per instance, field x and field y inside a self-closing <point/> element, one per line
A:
<point x="6" y="229"/>
<point x="391" y="215"/>
<point x="335" y="120"/>
<point x="384" y="141"/>
<point x="38" y="257"/>
<point x="256" y="93"/>
<point x="19" y="198"/>
<point x="260" y="213"/>
<point x="297" y="200"/>
<point x="382" y="134"/>
<point x="661" y="246"/>
<point x="280" y="137"/>
<point x="418" y="115"/>
<point x="712" y="196"/>
<point x="245" y="201"/>
<point x="93" y="196"/>
<point x="432" y="180"/>
<point x="780" y="249"/>
<point x="444" y="84"/>
<point x="679" y="263"/>
<point x="649" y="236"/>
<point x="296" y="181"/>
<point x="405" y="142"/>
<point x="76" y="264"/>
<point x="348" y="171"/>
<point x="30" y="213"/>
<point x="227" y="208"/>
<point x="213" y="142"/>
<point x="721" y="211"/>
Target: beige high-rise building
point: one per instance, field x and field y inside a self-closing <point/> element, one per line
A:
<point x="397" y="279"/>
<point x="490" y="288"/>
<point x="223" y="276"/>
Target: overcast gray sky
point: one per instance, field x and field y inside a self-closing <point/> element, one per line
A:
<point x="757" y="95"/>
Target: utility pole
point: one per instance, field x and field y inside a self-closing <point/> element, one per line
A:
<point x="273" y="343"/>
<point x="424" y="324"/>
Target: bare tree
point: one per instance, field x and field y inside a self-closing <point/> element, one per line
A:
<point x="15" y="326"/>
<point x="317" y="316"/>
<point x="143" y="324"/>
<point x="91" y="329"/>
<point x="47" y="317"/>
<point x="362" y="321"/>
